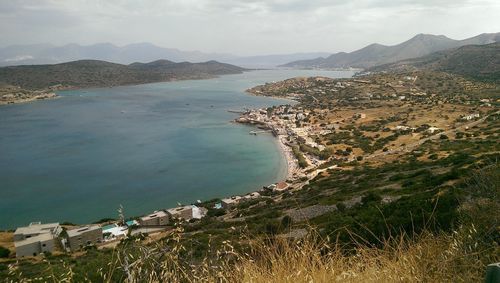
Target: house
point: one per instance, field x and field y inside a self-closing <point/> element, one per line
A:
<point x="251" y="196"/>
<point x="359" y="116"/>
<point x="470" y="117"/>
<point x="281" y="186"/>
<point x="132" y="223"/>
<point x="271" y="187"/>
<point x="432" y="130"/>
<point x="84" y="236"/>
<point x="35" y="229"/>
<point x="228" y="202"/>
<point x="36" y="238"/>
<point x="114" y="231"/>
<point x="401" y="128"/>
<point x="158" y="218"/>
<point x="188" y="212"/>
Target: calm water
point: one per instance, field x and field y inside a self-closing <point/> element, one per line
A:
<point x="146" y="147"/>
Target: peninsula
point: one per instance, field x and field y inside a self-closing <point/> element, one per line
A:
<point x="94" y="73"/>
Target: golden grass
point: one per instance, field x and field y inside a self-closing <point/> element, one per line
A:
<point x="428" y="259"/>
<point x="455" y="257"/>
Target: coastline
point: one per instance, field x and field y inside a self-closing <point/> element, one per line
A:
<point x="287" y="162"/>
<point x="44" y="96"/>
<point x="292" y="167"/>
<point x="281" y="135"/>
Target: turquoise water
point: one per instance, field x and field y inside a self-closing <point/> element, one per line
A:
<point x="146" y="147"/>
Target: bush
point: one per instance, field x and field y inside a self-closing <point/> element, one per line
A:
<point x="341" y="206"/>
<point x="4" y="252"/>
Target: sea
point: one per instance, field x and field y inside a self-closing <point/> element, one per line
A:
<point x="79" y="157"/>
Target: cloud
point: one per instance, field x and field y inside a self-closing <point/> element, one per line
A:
<point x="243" y="26"/>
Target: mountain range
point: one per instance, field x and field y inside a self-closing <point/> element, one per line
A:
<point x="94" y="73"/>
<point x="480" y="62"/>
<point x="378" y="54"/>
<point x="139" y="52"/>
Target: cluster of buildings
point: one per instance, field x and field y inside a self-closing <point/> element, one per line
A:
<point x="38" y="238"/>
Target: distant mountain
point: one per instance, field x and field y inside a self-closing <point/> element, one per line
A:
<point x="269" y="61"/>
<point x="94" y="73"/>
<point x="139" y="52"/>
<point x="377" y="54"/>
<point x="480" y="62"/>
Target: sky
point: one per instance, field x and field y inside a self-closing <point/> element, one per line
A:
<point x="243" y="27"/>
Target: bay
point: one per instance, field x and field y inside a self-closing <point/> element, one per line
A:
<point x="146" y="147"/>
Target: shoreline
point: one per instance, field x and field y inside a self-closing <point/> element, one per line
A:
<point x="292" y="167"/>
<point x="293" y="171"/>
<point x="45" y="96"/>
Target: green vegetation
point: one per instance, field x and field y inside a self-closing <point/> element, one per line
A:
<point x="93" y="73"/>
<point x="4" y="252"/>
<point x="300" y="157"/>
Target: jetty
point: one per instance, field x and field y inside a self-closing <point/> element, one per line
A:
<point x="237" y="111"/>
<point x="260" y="132"/>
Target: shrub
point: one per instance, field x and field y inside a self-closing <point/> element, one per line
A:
<point x="4" y="252"/>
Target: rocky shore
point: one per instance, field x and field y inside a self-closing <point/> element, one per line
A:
<point x="12" y="94"/>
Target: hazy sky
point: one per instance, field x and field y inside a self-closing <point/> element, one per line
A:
<point x="244" y="27"/>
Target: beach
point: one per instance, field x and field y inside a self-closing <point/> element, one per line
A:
<point x="293" y="168"/>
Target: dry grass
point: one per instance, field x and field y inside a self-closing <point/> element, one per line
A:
<point x="427" y="259"/>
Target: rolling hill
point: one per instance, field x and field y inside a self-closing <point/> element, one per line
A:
<point x="377" y="54"/>
<point x="94" y="73"/>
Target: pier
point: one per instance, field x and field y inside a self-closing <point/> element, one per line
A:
<point x="237" y="111"/>
<point x="260" y="132"/>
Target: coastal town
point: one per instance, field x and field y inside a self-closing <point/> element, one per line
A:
<point x="344" y="120"/>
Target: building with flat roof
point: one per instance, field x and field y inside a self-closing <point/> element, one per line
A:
<point x="158" y="218"/>
<point x="188" y="212"/>
<point x="35" y="245"/>
<point x="114" y="231"/>
<point x="228" y="202"/>
<point x="84" y="236"/>
<point x="36" y="238"/>
<point x="35" y="229"/>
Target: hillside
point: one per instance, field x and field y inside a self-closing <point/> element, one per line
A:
<point x="377" y="54"/>
<point x="480" y="62"/>
<point x="93" y="73"/>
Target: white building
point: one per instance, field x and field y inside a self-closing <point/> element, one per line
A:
<point x="188" y="212"/>
<point x="36" y="238"/>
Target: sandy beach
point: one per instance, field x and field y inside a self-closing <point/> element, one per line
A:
<point x="293" y="168"/>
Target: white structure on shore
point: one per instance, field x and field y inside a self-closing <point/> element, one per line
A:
<point x="36" y="238"/>
<point x="188" y="212"/>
